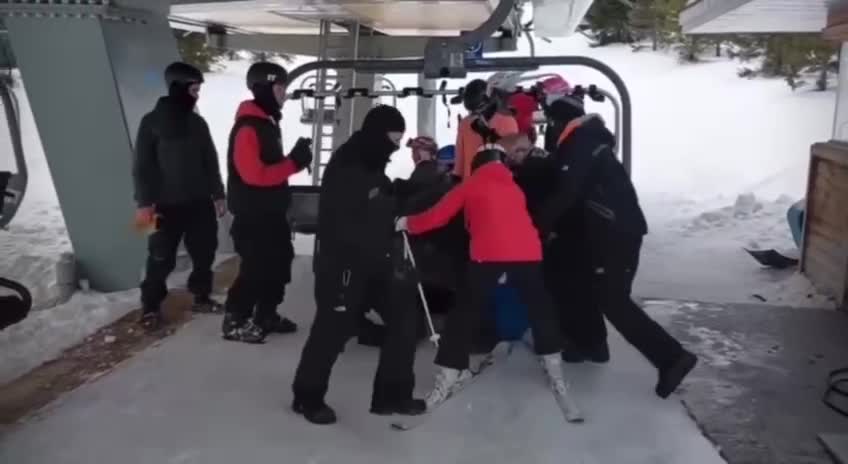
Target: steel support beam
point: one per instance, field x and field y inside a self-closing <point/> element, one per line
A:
<point x="416" y="66"/>
<point x="302" y="44"/>
<point x="113" y="67"/>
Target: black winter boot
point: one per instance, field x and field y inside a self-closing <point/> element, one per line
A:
<point x="672" y="377"/>
<point x="318" y="413"/>
<point x="151" y="320"/>
<point x="206" y="305"/>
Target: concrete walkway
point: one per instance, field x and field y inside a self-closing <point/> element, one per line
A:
<point x="199" y="399"/>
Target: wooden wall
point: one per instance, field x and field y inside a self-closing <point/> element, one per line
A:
<point x="825" y="248"/>
<point x="837" y="21"/>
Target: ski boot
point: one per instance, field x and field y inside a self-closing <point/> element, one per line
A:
<point x="151" y="320"/>
<point x="317" y="413"/>
<point x="552" y="365"/>
<point x="447" y="382"/>
<point x="206" y="305"/>
<point x="237" y="329"/>
<point x="672" y="377"/>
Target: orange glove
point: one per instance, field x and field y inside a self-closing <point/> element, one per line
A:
<point x="145" y="219"/>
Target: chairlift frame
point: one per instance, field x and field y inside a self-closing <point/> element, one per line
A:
<point x="624" y="114"/>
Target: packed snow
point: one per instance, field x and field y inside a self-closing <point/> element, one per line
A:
<point x="717" y="161"/>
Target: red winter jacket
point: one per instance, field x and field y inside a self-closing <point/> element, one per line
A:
<point x="495" y="215"/>
<point x="246" y="154"/>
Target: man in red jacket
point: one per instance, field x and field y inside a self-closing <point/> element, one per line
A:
<point x="259" y="198"/>
<point x="505" y="248"/>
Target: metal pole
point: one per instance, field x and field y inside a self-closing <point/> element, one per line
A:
<point x="414" y="66"/>
<point x="617" y="108"/>
<point x="352" y="105"/>
<point x="320" y="85"/>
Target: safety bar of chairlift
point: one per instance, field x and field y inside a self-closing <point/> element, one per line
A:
<point x="415" y="66"/>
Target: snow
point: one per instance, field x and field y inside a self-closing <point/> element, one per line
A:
<point x="717" y="161"/>
<point x="199" y="399"/>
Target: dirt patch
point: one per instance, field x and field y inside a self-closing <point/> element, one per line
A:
<point x="98" y="354"/>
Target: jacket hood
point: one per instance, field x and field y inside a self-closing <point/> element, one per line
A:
<point x="589" y="124"/>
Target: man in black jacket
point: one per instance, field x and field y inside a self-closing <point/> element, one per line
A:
<point x="259" y="197"/>
<point x="178" y="188"/>
<point x="355" y="237"/>
<point x="591" y="180"/>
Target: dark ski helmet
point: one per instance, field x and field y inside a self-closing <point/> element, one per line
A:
<point x="182" y="74"/>
<point x="474" y="95"/>
<point x="265" y="72"/>
<point x="487" y="153"/>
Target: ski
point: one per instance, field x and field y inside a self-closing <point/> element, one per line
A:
<point x="499" y="353"/>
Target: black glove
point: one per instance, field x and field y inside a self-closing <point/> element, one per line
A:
<point x="489" y="135"/>
<point x="301" y="154"/>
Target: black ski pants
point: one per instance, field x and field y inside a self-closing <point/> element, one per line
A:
<point x="340" y="293"/>
<point x="568" y="277"/>
<point x="614" y="261"/>
<point x="264" y="245"/>
<point x="481" y="280"/>
<point x="197" y="225"/>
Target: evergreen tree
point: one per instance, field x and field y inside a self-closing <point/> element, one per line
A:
<point x="193" y="50"/>
<point x="608" y="22"/>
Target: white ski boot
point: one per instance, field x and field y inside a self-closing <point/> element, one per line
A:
<point x="448" y="381"/>
<point x="552" y="364"/>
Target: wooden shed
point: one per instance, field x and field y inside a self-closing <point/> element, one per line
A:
<point x="824" y="257"/>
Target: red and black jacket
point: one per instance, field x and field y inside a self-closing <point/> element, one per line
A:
<point x="495" y="215"/>
<point x="258" y="170"/>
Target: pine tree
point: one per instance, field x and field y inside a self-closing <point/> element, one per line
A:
<point x="193" y="50"/>
<point x="643" y="20"/>
<point x="608" y="22"/>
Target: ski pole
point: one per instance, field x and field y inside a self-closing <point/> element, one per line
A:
<point x="407" y="250"/>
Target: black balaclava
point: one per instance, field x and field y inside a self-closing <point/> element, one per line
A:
<point x="179" y="94"/>
<point x="559" y="113"/>
<point x="378" y="148"/>
<point x="261" y="78"/>
<point x="179" y="77"/>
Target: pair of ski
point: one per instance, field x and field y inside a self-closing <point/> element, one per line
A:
<point x="498" y="355"/>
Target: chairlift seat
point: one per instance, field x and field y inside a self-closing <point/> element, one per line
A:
<point x="310" y="116"/>
<point x="303" y="209"/>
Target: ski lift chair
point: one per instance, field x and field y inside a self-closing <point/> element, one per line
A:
<point x="12" y="185"/>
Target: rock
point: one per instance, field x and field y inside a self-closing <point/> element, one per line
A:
<point x="110" y="339"/>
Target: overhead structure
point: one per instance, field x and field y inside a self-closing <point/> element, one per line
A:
<point x="754" y="16"/>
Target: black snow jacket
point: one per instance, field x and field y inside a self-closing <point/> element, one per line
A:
<point x="440" y="254"/>
<point x="590" y="177"/>
<point x="175" y="159"/>
<point x="537" y="179"/>
<point x="357" y="209"/>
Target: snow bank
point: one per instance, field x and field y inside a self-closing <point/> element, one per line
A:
<point x="44" y="335"/>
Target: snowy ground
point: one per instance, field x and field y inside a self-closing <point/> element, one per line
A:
<point x="703" y="137"/>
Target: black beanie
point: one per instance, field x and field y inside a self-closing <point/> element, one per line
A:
<point x="383" y="118"/>
<point x="565" y="109"/>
